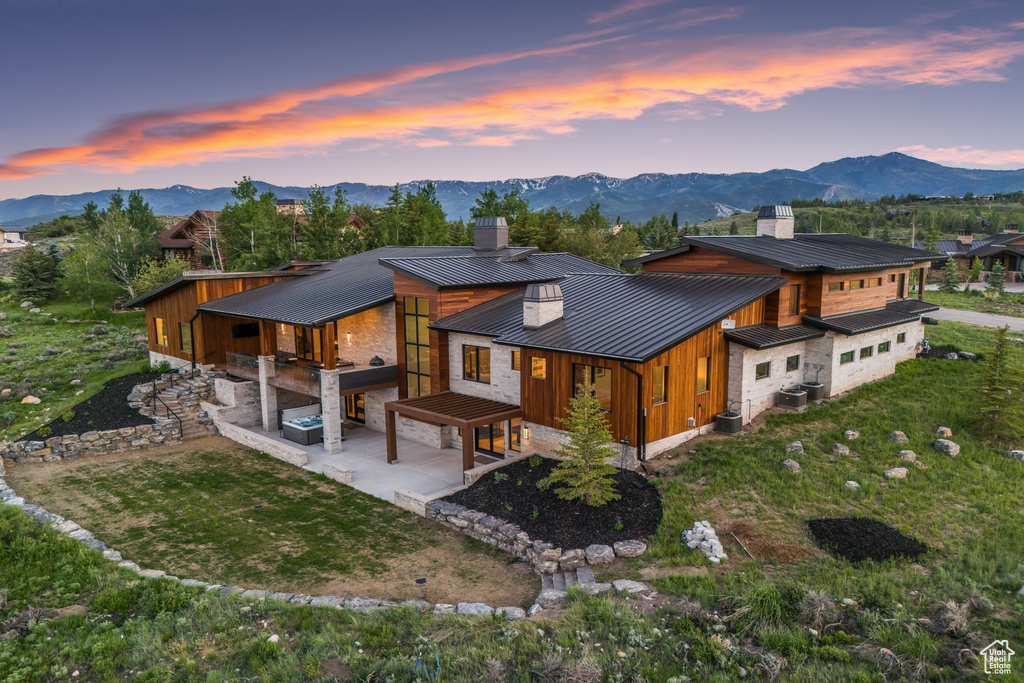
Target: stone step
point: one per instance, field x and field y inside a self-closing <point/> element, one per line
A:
<point x="585" y="575"/>
<point x="545" y="582"/>
<point x="570" y="579"/>
<point x="558" y="580"/>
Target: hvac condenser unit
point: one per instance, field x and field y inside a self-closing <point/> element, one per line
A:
<point x="794" y="399"/>
<point x="729" y="423"/>
<point x="815" y="390"/>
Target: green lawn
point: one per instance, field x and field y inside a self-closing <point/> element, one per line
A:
<point x="45" y="353"/>
<point x="1005" y="304"/>
<point x="215" y="511"/>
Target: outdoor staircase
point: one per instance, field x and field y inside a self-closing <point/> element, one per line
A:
<point x="564" y="580"/>
<point x="191" y="428"/>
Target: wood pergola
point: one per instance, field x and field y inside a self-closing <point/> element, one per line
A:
<point x="452" y="409"/>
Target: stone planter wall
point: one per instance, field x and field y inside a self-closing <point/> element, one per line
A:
<point x="545" y="557"/>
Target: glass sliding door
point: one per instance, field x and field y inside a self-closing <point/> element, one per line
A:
<point x="355" y="408"/>
<point x="490" y="439"/>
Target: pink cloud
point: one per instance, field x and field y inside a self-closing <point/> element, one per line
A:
<point x="625" y="8"/>
<point x="967" y="155"/>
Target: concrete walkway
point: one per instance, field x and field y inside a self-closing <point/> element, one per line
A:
<point x="420" y="469"/>
<point x="1012" y="287"/>
<point x="980" y="319"/>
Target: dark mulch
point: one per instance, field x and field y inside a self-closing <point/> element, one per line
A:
<point x="106" y="410"/>
<point x="858" y="538"/>
<point x="566" y="524"/>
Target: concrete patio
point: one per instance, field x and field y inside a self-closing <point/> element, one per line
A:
<point x="420" y="470"/>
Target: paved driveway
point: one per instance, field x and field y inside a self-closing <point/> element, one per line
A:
<point x="980" y="319"/>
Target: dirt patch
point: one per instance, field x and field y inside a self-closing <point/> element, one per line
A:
<point x="762" y="547"/>
<point x="106" y="410"/>
<point x="511" y="493"/>
<point x="213" y="510"/>
<point x="859" y="538"/>
<point x="334" y="668"/>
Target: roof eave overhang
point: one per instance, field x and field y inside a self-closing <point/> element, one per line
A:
<point x="298" y="323"/>
<point x="773" y="345"/>
<point x="657" y="256"/>
<point x="852" y="332"/>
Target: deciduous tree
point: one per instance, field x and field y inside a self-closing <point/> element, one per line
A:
<point x="85" y="272"/>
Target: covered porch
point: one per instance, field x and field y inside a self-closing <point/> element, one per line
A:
<point x="449" y="409"/>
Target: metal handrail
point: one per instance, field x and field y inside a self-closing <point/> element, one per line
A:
<point x="169" y="412"/>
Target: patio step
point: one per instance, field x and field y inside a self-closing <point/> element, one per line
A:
<point x="190" y="428"/>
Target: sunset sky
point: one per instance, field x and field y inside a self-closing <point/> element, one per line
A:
<point x="145" y="93"/>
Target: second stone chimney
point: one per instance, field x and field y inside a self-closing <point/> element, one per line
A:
<point x="490" y="233"/>
<point x="965" y="237"/>
<point x="775" y="221"/>
<point x="541" y="305"/>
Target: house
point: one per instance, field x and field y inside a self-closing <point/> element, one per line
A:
<point x="294" y="207"/>
<point x="480" y="348"/>
<point x="1006" y="248"/>
<point x="193" y="239"/>
<point x="12" y="237"/>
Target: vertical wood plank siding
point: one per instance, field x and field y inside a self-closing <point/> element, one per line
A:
<point x="700" y="260"/>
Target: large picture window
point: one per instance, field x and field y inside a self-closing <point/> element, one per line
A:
<point x="417" y="346"/>
<point x="476" y="363"/>
<point x="599" y="378"/>
<point x="307" y="344"/>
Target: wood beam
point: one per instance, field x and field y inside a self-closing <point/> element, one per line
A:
<point x="328" y="352"/>
<point x="468" y="448"/>
<point x="390" y="435"/>
<point x="921" y="280"/>
<point x="268" y="338"/>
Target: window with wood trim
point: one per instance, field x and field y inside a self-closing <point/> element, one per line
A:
<point x="856" y="284"/>
<point x="476" y="363"/>
<point x="867" y="352"/>
<point x="308" y="344"/>
<point x="538" y="367"/>
<point x="794" y="299"/>
<point x="846" y="357"/>
<point x="600" y="379"/>
<point x="659" y="384"/>
<point x="185" y="334"/>
<point x="793" y="363"/>
<point x="884" y="347"/>
<point x="703" y="374"/>
<point x="417" y="346"/>
<point x="763" y="370"/>
<point x="892" y="278"/>
<point x="875" y="282"/>
<point x="836" y="286"/>
<point x="161" y="331"/>
<point x="901" y="338"/>
<point x="517" y="360"/>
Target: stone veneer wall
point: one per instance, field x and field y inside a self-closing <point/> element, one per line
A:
<point x="505" y="382"/>
<point x="546" y="440"/>
<point x="757" y="395"/>
<point x="105" y="442"/>
<point x="864" y="370"/>
<point x="155" y="358"/>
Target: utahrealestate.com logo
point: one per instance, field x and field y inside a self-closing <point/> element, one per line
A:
<point x="997" y="657"/>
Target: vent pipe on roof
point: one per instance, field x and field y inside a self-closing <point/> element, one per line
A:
<point x="775" y="221"/>
<point x="490" y="233"/>
<point x="541" y="305"/>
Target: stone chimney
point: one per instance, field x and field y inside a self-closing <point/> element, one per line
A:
<point x="965" y="237"/>
<point x="490" y="233"/>
<point x="541" y="305"/>
<point x="1012" y="228"/>
<point x="775" y="221"/>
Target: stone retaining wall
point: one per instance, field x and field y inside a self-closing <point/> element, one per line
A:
<point x="545" y="557"/>
<point x="105" y="442"/>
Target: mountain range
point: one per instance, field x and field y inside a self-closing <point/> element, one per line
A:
<point x="695" y="196"/>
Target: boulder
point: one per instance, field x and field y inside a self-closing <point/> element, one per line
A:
<point x="361" y="604"/>
<point x="599" y="555"/>
<point x="1015" y="454"/>
<point x="572" y="560"/>
<point x="909" y="456"/>
<point x="30" y="399"/>
<point x="795" y="447"/>
<point x="511" y="613"/>
<point x="549" y="597"/>
<point x="967" y="355"/>
<point x="534" y="609"/>
<point x="952" y="355"/>
<point x="26" y="304"/>
<point x="443" y="608"/>
<point x="851" y="434"/>
<point x="152" y="573"/>
<point x="851" y="486"/>
<point x="897" y="436"/>
<point x="840" y="449"/>
<point x="35" y="310"/>
<point x="595" y="588"/>
<point x="6" y="332"/>
<point x="630" y="586"/>
<point x="948" y="447"/>
<point x="944" y="432"/>
<point x="326" y="601"/>
<point x="791" y="465"/>
<point x="896" y="473"/>
<point x="629" y="548"/>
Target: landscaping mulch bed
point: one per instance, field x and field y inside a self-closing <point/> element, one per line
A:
<point x="545" y="516"/>
<point x="106" y="410"/>
<point x="859" y="538"/>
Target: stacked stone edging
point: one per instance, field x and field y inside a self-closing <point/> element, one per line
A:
<point x="165" y="430"/>
<point x="544" y="557"/>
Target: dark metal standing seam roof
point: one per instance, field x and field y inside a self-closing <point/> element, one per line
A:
<point x="481" y="269"/>
<point x="341" y="288"/>
<point x="831" y="253"/>
<point x="911" y="306"/>
<point x="768" y="336"/>
<point x="864" y="321"/>
<point x="623" y="317"/>
<point x="197" y="275"/>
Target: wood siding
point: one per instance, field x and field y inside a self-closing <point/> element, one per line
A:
<point x="850" y="300"/>
<point x="441" y="303"/>
<point x="700" y="260"/>
<point x="544" y="401"/>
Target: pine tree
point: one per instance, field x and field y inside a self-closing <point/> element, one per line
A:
<point x="997" y="278"/>
<point x="734" y="229"/>
<point x="34" y="274"/>
<point x="1002" y="399"/>
<point x="584" y="474"/>
<point x="950" y="277"/>
<point x="974" y="274"/>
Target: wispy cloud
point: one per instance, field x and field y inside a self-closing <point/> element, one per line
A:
<point x="967" y="155"/>
<point x="695" y="16"/>
<point x="627" y="7"/>
<point x="501" y="99"/>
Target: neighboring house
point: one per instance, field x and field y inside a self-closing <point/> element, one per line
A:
<point x="840" y="319"/>
<point x="295" y="207"/>
<point x="1007" y="248"/>
<point x="193" y="239"/>
<point x="482" y="347"/>
<point x="12" y="237"/>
